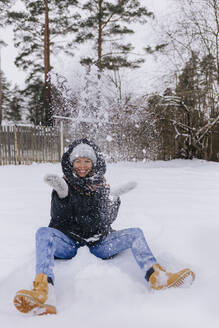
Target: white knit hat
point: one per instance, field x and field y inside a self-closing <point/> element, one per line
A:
<point x="83" y="150"/>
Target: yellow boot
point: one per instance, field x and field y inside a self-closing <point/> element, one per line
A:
<point x="38" y="300"/>
<point x="161" y="279"/>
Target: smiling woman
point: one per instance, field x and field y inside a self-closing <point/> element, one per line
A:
<point x="83" y="158"/>
<point x="82" y="212"/>
<point x="82" y="166"/>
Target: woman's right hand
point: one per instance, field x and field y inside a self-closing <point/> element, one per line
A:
<point x="58" y="184"/>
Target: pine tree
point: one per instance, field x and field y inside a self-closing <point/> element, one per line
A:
<point x="29" y="26"/>
<point x="107" y="23"/>
<point x="13" y="112"/>
<point x="4" y="6"/>
<point x="193" y="106"/>
<point x="37" y="33"/>
<point x="197" y="86"/>
<point x="209" y="85"/>
<point x="5" y="94"/>
<point x="34" y="95"/>
<point x="2" y="43"/>
<point x="11" y="101"/>
<point x="188" y="86"/>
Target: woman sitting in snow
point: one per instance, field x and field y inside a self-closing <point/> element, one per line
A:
<point x="82" y="211"/>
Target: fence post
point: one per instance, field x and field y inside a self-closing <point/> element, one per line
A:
<point x="15" y="145"/>
<point x="61" y="139"/>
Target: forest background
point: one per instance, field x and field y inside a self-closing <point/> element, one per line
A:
<point x="142" y="75"/>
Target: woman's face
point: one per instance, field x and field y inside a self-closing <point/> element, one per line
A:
<point x="82" y="166"/>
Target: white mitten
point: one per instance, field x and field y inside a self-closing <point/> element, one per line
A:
<point x="58" y="184"/>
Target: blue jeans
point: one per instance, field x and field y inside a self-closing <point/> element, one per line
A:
<point x="51" y="242"/>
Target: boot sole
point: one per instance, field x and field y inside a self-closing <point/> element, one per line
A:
<point x="28" y="304"/>
<point x="181" y="280"/>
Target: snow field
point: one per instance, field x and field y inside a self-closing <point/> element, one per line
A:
<point x="175" y="204"/>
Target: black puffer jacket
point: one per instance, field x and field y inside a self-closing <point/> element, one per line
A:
<point x="87" y="213"/>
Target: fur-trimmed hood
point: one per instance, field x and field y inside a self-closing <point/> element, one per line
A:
<point x="98" y="171"/>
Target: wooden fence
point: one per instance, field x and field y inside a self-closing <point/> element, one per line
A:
<point x="25" y="145"/>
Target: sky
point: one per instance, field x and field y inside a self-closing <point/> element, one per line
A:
<point x="161" y="8"/>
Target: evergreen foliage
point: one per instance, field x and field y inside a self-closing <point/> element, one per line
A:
<point x="34" y="93"/>
<point x="174" y="123"/>
<point x="6" y="93"/>
<point x="191" y="111"/>
<point x="11" y="101"/>
<point x="28" y="26"/>
<point x="36" y="40"/>
<point x="197" y="86"/>
<point x="13" y="110"/>
<point x="107" y="23"/>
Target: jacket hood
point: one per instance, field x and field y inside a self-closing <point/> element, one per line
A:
<point x="98" y="170"/>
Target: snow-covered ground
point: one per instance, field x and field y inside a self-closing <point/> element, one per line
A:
<point x="176" y="203"/>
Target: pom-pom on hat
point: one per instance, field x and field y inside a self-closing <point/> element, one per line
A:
<point x="83" y="150"/>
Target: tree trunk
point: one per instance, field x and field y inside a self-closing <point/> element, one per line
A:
<point x="100" y="40"/>
<point x="1" y="95"/>
<point x="47" y="68"/>
<point x="214" y="4"/>
<point x="1" y="116"/>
